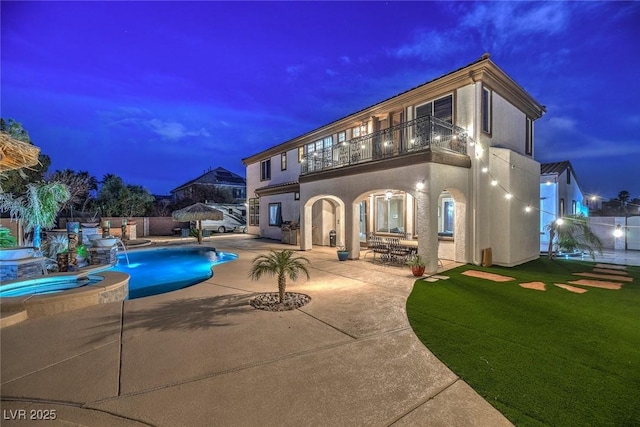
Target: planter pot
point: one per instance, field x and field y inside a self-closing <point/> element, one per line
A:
<point x="73" y="227"/>
<point x="343" y="255"/>
<point x="417" y="270"/>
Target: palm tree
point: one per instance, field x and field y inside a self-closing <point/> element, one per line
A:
<point x="573" y="233"/>
<point x="38" y="208"/>
<point x="282" y="264"/>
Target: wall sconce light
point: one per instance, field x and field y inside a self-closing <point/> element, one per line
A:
<point x="559" y="221"/>
<point x="388" y="195"/>
<point x="618" y="231"/>
<point x="420" y="185"/>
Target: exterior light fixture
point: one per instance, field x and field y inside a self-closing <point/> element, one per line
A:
<point x="508" y="196"/>
<point x="559" y="221"/>
<point x="548" y="182"/>
<point x="528" y="208"/>
<point x="494" y="182"/>
<point x="420" y="185"/>
<point x="388" y="195"/>
<point x="618" y="231"/>
<point x="485" y="169"/>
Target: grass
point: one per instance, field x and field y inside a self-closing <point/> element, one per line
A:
<point x="541" y="358"/>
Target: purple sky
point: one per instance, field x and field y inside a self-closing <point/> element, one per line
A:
<point x="157" y="92"/>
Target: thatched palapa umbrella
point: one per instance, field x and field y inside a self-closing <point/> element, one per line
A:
<point x="15" y="154"/>
<point x="198" y="212"/>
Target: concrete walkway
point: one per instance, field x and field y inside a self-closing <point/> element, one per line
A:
<point x="201" y="356"/>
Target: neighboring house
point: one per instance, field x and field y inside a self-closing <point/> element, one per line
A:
<point x="560" y="195"/>
<point x="413" y="165"/>
<point x="220" y="180"/>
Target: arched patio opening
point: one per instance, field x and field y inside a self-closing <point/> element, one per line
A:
<point x="321" y="214"/>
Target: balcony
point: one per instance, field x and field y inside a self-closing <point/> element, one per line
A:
<point x="421" y="134"/>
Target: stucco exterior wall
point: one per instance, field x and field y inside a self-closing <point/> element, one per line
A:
<point x="465" y="108"/>
<point x="509" y="125"/>
<point x="514" y="235"/>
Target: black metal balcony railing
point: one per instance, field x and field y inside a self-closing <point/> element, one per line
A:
<point x="416" y="135"/>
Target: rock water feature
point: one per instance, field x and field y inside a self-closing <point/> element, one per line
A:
<point x="19" y="263"/>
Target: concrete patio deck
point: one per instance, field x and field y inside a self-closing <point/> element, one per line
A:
<point x="202" y="356"/>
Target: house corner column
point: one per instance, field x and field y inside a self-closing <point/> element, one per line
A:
<point x="427" y="222"/>
<point x="306" y="228"/>
<point x="352" y="225"/>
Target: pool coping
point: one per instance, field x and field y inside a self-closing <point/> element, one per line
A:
<point x="114" y="286"/>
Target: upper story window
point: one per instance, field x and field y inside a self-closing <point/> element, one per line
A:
<point x="359" y="130"/>
<point x="265" y="170"/>
<point x="441" y="108"/>
<point x="283" y="161"/>
<point x="569" y="176"/>
<point x="342" y="136"/>
<point x="487" y="112"/>
<point x="528" y="144"/>
<point x="300" y="154"/>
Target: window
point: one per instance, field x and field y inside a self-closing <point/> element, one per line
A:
<point x="296" y="195"/>
<point x="265" y="170"/>
<point x="300" y="154"/>
<point x="275" y="214"/>
<point x="574" y="207"/>
<point x="355" y="132"/>
<point x="569" y="176"/>
<point x="529" y="137"/>
<point x="319" y="153"/>
<point x="390" y="214"/>
<point x="254" y="212"/>
<point x="283" y="161"/>
<point x="342" y="136"/>
<point x="446" y="215"/>
<point x="561" y="213"/>
<point x="441" y="108"/>
<point x="486" y="110"/>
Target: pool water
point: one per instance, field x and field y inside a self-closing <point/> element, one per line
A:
<point x="156" y="271"/>
<point x="45" y="285"/>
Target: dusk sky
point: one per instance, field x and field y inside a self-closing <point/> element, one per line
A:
<point x="158" y="92"/>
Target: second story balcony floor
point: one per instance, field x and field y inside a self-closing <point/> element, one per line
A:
<point x="420" y="135"/>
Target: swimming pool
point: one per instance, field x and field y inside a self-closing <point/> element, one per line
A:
<point x="160" y="270"/>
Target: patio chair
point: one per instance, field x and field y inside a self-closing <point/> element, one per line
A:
<point x="379" y="246"/>
<point x="397" y="252"/>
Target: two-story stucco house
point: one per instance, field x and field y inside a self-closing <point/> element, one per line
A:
<point x="448" y="163"/>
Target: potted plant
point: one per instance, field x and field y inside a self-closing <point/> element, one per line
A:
<point x="417" y="265"/>
<point x="82" y="255"/>
<point x="6" y="239"/>
<point x="343" y="253"/>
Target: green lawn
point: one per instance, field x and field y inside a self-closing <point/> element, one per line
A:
<point x="542" y="358"/>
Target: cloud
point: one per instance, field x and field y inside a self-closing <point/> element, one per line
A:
<point x="562" y="123"/>
<point x="512" y="25"/>
<point x="295" y="70"/>
<point x="173" y="130"/>
<point x="425" y="45"/>
<point x="345" y="59"/>
<point x="331" y="72"/>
